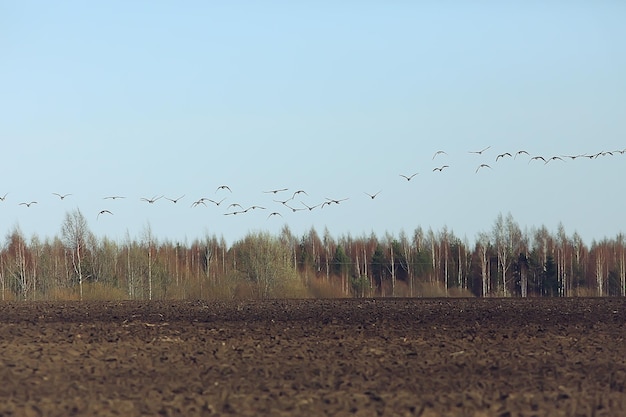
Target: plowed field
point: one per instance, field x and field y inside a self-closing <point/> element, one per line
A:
<point x="405" y="357"/>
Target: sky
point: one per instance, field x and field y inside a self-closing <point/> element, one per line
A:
<point x="145" y="99"/>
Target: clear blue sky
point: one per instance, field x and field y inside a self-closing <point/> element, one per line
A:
<point x="151" y="98"/>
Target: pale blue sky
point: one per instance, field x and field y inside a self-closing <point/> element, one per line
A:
<point x="150" y="98"/>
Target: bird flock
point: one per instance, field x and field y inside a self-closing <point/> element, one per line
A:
<point x="296" y="200"/>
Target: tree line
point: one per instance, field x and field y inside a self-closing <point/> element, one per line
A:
<point x="502" y="262"/>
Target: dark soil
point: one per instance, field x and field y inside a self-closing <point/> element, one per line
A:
<point x="400" y="357"/>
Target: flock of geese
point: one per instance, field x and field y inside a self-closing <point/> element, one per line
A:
<point x="232" y="209"/>
<point x="514" y="155"/>
<point x="290" y="203"/>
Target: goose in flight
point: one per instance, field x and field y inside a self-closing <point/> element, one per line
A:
<point x="310" y="207"/>
<point x="520" y="152"/>
<point x="502" y="155"/>
<point x="278" y="190"/>
<point x="408" y="177"/>
<point x="103" y="212"/>
<point x="151" y="200"/>
<point x="536" y="158"/>
<point x="223" y="187"/>
<point x="113" y="197"/>
<point x="234" y="205"/>
<point x="373" y="196"/>
<point x="198" y="202"/>
<point x="217" y="203"/>
<point x="481" y="151"/>
<point x="4" y="197"/>
<point x="294" y="209"/>
<point x="61" y="196"/>
<point x="441" y="168"/>
<point x="284" y="203"/>
<point x="28" y="204"/>
<point x="298" y="192"/>
<point x="234" y="213"/>
<point x="439" y="153"/>
<point x="554" y="158"/>
<point x="175" y="200"/>
<point x="274" y="214"/>
<point x="482" y="166"/>
<point x="330" y="200"/>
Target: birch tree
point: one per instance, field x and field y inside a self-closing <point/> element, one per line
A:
<point x="75" y="233"/>
<point x="482" y="246"/>
<point x="507" y="235"/>
<point x="148" y="242"/>
<point x="620" y="256"/>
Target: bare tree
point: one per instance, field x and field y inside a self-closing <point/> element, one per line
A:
<point x="507" y="235"/>
<point x="17" y="262"/>
<point x="329" y="250"/>
<point x="621" y="262"/>
<point x="600" y="258"/>
<point x="444" y="252"/>
<point x="407" y="252"/>
<point x="75" y="233"/>
<point x="482" y="244"/>
<point x="149" y="242"/>
<point x="564" y="252"/>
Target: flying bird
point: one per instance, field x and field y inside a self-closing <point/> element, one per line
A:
<point x="481" y="151"/>
<point x="151" y="200"/>
<point x="284" y="202"/>
<point x="61" y="196"/>
<point x="554" y="158"/>
<point x="234" y="205"/>
<point x="103" y="212"/>
<point x="439" y="153"/>
<point x="520" y="152"/>
<point x="28" y="204"/>
<point x="4" y="197"/>
<point x="298" y="192"/>
<point x="294" y="209"/>
<point x="223" y="187"/>
<point x="535" y="158"/>
<point x="330" y="200"/>
<point x="482" y="166"/>
<point x="408" y="177"/>
<point x="278" y="190"/>
<point x="502" y="155"/>
<point x="373" y="196"/>
<point x="198" y="202"/>
<point x="274" y="214"/>
<point x="113" y="197"/>
<point x="217" y="203"/>
<point x="310" y="207"/>
<point x="175" y="200"/>
<point x="441" y="168"/>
